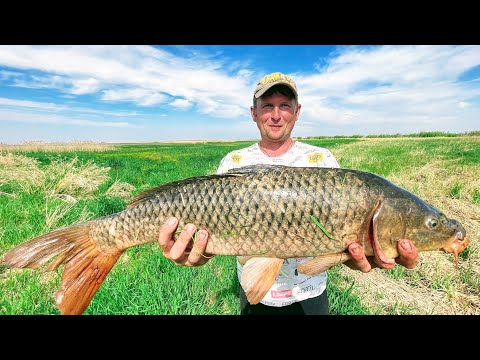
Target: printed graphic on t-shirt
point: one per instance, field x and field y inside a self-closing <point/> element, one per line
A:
<point x="236" y="158"/>
<point x="315" y="157"/>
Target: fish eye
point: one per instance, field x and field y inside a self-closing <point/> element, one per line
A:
<point x="432" y="223"/>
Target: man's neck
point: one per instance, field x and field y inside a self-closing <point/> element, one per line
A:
<point x="274" y="149"/>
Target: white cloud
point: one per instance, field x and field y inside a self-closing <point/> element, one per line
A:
<point x="141" y="96"/>
<point x="181" y="103"/>
<point x="31" y="117"/>
<point x="30" y="104"/>
<point x="406" y="87"/>
<point x="20" y="104"/>
<point x="42" y="82"/>
<point x="148" y="73"/>
<point x="355" y="90"/>
<point x="85" y="86"/>
<point x="5" y="74"/>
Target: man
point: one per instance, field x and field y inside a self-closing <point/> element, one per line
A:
<point x="275" y="110"/>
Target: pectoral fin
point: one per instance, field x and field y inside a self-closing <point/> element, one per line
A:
<point x="258" y="276"/>
<point x="322" y="263"/>
<point x="243" y="259"/>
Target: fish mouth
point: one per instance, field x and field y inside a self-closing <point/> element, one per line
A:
<point x="380" y="256"/>
<point x="459" y="243"/>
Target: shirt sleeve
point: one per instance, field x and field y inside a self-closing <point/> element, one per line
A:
<point x="224" y="165"/>
<point x="330" y="160"/>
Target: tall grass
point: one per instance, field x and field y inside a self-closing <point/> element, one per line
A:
<point x="56" y="147"/>
<point x="424" y="134"/>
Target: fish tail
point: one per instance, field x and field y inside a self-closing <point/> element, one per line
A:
<point x="86" y="265"/>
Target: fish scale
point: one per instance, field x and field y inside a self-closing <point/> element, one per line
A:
<point x="266" y="213"/>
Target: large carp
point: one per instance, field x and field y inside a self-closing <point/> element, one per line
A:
<point x="267" y="213"/>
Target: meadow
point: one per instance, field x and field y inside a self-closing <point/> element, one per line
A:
<point x="43" y="187"/>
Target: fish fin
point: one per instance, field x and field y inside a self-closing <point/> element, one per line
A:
<point x="245" y="170"/>
<point x="243" y="259"/>
<point x="255" y="169"/>
<point x="258" y="276"/>
<point x="153" y="192"/>
<point x="85" y="264"/>
<point x="322" y="263"/>
<point x="235" y="172"/>
<point x="82" y="278"/>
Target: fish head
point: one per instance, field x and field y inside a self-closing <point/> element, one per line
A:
<point x="409" y="217"/>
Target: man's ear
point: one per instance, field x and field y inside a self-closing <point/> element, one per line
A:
<point x="299" y="107"/>
<point x="253" y="113"/>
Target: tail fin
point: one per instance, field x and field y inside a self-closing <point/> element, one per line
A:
<point x="86" y="266"/>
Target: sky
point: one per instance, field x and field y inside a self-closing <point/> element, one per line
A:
<point x="131" y="93"/>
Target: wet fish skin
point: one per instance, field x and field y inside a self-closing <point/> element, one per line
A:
<point x="267" y="211"/>
<point x="251" y="212"/>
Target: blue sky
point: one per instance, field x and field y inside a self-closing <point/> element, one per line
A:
<point x="157" y="93"/>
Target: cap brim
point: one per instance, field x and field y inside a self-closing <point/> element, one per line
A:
<point x="265" y="88"/>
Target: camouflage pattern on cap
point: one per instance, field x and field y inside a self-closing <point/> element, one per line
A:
<point x="276" y="78"/>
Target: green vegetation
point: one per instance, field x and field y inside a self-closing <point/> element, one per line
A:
<point x="316" y="222"/>
<point x="44" y="190"/>
<point x="420" y="134"/>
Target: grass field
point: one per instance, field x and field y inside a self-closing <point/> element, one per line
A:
<point x="43" y="189"/>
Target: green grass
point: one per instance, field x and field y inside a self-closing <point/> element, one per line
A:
<point x="420" y="134"/>
<point x="158" y="286"/>
<point x="341" y="299"/>
<point x="455" y="191"/>
<point x="142" y="281"/>
<point x="476" y="196"/>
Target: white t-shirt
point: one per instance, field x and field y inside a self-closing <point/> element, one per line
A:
<point x="290" y="286"/>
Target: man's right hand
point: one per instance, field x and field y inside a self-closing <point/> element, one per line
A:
<point x="408" y="257"/>
<point x="181" y="250"/>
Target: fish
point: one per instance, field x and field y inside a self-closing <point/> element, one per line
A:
<point x="263" y="214"/>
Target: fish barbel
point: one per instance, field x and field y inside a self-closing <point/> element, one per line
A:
<point x="266" y="213"/>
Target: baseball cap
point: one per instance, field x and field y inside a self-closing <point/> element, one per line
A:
<point x="276" y="78"/>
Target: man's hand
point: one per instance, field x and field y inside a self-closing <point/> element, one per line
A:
<point x="408" y="256"/>
<point x="182" y="250"/>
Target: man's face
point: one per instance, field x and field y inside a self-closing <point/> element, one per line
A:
<point x="275" y="116"/>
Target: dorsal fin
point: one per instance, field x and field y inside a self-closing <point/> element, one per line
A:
<point x="152" y="193"/>
<point x="245" y="170"/>
<point x="255" y="169"/>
